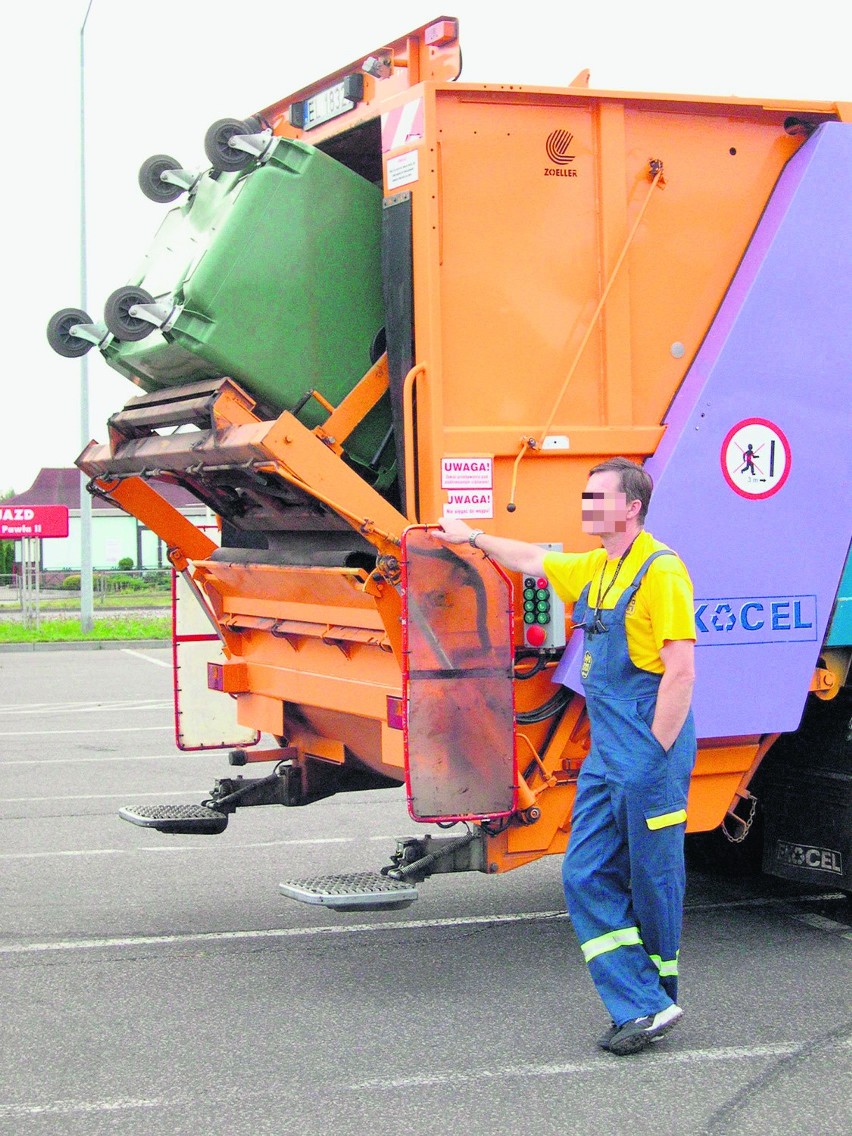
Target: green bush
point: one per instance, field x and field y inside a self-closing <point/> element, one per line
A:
<point x="126" y="564"/>
<point x="72" y="583"/>
<point x="128" y="584"/>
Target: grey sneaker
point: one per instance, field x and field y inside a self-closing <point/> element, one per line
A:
<point x="641" y="1032"/>
<point x="606" y="1038"/>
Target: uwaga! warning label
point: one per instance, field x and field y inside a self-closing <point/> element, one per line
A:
<point x="469" y="482"/>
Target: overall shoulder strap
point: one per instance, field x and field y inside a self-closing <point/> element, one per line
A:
<point x="640" y="575"/>
<point x="583" y="598"/>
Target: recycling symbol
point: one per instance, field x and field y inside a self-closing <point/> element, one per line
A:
<point x="798" y="856"/>
<point x="723" y="618"/>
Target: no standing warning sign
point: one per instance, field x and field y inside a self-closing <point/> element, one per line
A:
<point x="755" y="458"/>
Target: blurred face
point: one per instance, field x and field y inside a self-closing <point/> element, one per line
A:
<point x="605" y="506"/>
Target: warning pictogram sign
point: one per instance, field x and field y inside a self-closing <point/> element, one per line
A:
<point x="755" y="458"/>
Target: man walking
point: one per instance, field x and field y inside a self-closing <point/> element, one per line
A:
<point x="624" y="874"/>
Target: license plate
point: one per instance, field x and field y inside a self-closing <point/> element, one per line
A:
<point x="326" y="105"/>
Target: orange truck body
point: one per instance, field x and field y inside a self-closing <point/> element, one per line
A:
<point x="569" y="249"/>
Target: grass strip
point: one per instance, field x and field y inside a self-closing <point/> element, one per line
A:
<point x="153" y="602"/>
<point x="69" y="630"/>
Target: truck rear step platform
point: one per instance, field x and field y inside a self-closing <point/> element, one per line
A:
<point x="184" y="819"/>
<point x="353" y="891"/>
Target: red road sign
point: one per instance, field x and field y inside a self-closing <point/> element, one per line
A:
<point x="17" y="522"/>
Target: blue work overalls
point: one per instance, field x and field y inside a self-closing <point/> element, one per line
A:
<point x="624" y="873"/>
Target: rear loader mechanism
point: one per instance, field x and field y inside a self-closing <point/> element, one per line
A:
<point x="338" y="337"/>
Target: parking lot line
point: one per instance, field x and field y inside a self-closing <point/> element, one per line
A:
<point x="141" y="851"/>
<point x="95" y="760"/>
<point x="70" y="1107"/>
<point x="103" y="796"/>
<point x="147" y="658"/>
<point x="42" y="709"/>
<point x="570" y="1068"/>
<point x="593" y="1066"/>
<point x="373" y="928"/>
<point x="91" y="730"/>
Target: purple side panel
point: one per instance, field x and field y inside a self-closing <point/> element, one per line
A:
<point x="766" y="570"/>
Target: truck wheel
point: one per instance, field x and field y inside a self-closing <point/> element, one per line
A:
<point x="151" y="183"/>
<point x="59" y="333"/>
<point x="713" y="852"/>
<point x="117" y="317"/>
<point x="223" y="157"/>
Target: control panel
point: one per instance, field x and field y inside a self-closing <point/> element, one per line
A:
<point x="544" y="611"/>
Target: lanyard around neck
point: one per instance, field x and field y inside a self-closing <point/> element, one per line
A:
<point x="601" y="598"/>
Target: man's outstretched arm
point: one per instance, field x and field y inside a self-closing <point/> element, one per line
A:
<point x="516" y="555"/>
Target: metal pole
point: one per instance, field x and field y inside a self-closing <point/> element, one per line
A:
<point x="25" y="581"/>
<point x="86" y="589"/>
<point x="26" y="574"/>
<point x="37" y="558"/>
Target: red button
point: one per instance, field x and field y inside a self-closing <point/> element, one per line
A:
<point x="536" y="635"/>
<point x="541" y="582"/>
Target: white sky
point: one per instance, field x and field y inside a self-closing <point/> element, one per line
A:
<point x="157" y="75"/>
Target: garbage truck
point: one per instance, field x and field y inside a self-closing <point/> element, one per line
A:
<point x="394" y="295"/>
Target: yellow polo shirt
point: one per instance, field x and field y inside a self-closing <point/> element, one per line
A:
<point x="663" y="607"/>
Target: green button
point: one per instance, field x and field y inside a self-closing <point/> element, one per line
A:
<point x="529" y="605"/>
<point x="542" y="594"/>
<point x="529" y="593"/>
<point x="543" y="605"/>
<point x="543" y="617"/>
<point x="529" y="617"/>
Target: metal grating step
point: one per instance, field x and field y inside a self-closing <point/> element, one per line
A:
<point x="183" y="819"/>
<point x="354" y="891"/>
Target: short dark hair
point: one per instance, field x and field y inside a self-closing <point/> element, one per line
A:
<point x="634" y="482"/>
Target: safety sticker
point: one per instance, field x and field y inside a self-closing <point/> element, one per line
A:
<point x="467" y="473"/>
<point x="466" y="503"/>
<point x="402" y="125"/>
<point x="755" y="458"/>
<point x="402" y="170"/>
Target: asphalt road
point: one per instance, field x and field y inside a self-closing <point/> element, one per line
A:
<point x="162" y="985"/>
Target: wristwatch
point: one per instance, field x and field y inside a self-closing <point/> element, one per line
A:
<point x="471" y="540"/>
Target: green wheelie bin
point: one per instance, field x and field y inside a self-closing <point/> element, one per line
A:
<point x="270" y="275"/>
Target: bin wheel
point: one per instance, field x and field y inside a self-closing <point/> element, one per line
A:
<point x="118" y="319"/>
<point x="150" y="182"/>
<point x="253" y="125"/>
<point x="223" y="157"/>
<point x="59" y="333"/>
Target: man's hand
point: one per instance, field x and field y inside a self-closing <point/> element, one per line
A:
<point x="675" y="693"/>
<point x="451" y="531"/>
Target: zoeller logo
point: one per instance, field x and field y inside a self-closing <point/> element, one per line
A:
<point x="558" y="145"/>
